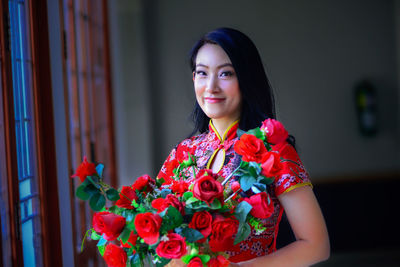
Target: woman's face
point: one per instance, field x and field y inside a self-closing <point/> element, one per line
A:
<point x="216" y="84"/>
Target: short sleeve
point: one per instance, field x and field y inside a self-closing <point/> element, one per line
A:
<point x="293" y="174"/>
<point x="167" y="168"/>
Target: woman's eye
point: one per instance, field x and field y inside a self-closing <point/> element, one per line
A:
<point x="200" y="73"/>
<point x="226" y="74"/>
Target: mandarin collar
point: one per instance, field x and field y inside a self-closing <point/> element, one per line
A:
<point x="229" y="134"/>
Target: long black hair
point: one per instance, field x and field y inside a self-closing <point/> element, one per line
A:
<point x="257" y="96"/>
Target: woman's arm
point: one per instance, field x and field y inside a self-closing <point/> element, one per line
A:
<point x="308" y="224"/>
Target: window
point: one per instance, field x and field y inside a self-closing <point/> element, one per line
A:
<point x="29" y="202"/>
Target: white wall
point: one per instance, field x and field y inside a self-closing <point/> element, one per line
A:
<point x="314" y="51"/>
<point x="130" y="85"/>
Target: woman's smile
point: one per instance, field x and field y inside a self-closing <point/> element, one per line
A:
<point x="214" y="100"/>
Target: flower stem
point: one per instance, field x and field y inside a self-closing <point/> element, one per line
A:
<point x="229" y="176"/>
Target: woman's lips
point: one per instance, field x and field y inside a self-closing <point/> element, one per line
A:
<point x="213" y="100"/>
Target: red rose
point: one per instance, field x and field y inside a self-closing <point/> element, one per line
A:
<point x="147" y="226"/>
<point x="125" y="198"/>
<point x="271" y="164"/>
<point x="251" y="148"/>
<point x="201" y="221"/>
<point x="161" y="204"/>
<point x="109" y="224"/>
<point x="144" y="183"/>
<point x="219" y="261"/>
<point x="173" y="247"/>
<point x="170" y="165"/>
<point x="222" y="233"/>
<point x="195" y="262"/>
<point x="132" y="240"/>
<point x="263" y="207"/>
<point x="115" y="256"/>
<point x="275" y="131"/>
<point x="235" y="186"/>
<point x="207" y="188"/>
<point x="84" y="169"/>
<point x="180" y="187"/>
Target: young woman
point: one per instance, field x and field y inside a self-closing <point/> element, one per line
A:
<point x="233" y="91"/>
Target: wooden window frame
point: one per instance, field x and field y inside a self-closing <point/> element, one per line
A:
<point x="44" y="136"/>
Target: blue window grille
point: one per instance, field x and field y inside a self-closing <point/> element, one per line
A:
<point x="24" y="129"/>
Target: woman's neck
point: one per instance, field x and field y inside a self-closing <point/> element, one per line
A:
<point x="221" y="125"/>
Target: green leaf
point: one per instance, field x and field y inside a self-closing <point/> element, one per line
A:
<point x="264" y="180"/>
<point x="192" y="235"/>
<point x="172" y="219"/>
<point x="240" y="132"/>
<point x="216" y="204"/>
<point x="101" y="249"/>
<point x="125" y="234"/>
<point x="243" y="232"/>
<point x="204" y="258"/>
<point x="91" y="189"/>
<point x="257" y="132"/>
<point x="258" y="188"/>
<point x="102" y="241"/>
<point x="192" y="200"/>
<point x="255" y="167"/>
<point x="159" y="182"/>
<point x="81" y="193"/>
<point x="242" y="210"/>
<point x="112" y="194"/>
<point x="95" y="236"/>
<point x="187" y="195"/>
<point x="246" y="182"/>
<point x="97" y="202"/>
<point x="244" y="165"/>
<point x="100" y="169"/>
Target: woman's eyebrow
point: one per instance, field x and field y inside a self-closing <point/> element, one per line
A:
<point x="220" y="66"/>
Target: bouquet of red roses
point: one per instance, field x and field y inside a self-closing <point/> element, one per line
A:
<point x="196" y="221"/>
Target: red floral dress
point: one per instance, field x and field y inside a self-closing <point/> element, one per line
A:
<point x="206" y="145"/>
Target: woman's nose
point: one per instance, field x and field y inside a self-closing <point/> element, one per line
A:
<point x="212" y="84"/>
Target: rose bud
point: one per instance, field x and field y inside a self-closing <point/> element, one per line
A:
<point x="262" y="205"/>
<point x="219" y="261"/>
<point x="109" y="224"/>
<point x="195" y="262"/>
<point x="144" y="183"/>
<point x="275" y="131"/>
<point x="84" y="169"/>
<point x="160" y="204"/>
<point x="271" y="165"/>
<point x="126" y="197"/>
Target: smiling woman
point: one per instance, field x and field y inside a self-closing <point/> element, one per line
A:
<point x="233" y="92"/>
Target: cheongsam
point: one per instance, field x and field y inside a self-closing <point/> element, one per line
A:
<point x="206" y="145"/>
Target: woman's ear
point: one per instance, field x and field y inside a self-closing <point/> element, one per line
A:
<point x="194" y="75"/>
